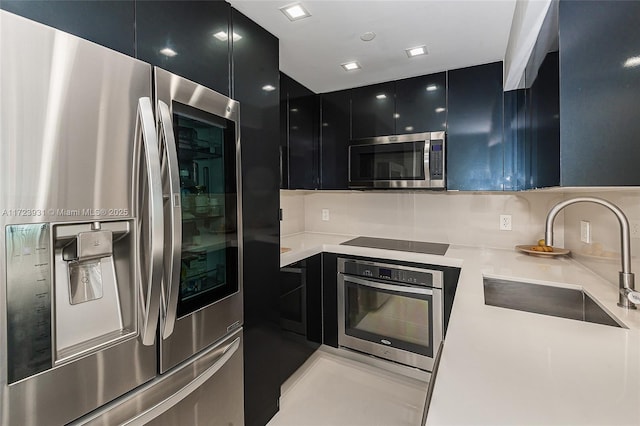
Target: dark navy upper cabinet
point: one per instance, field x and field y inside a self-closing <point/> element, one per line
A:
<point x="188" y="38"/>
<point x="543" y="127"/>
<point x="373" y="110"/>
<point x="517" y="170"/>
<point x="335" y="131"/>
<point x="475" y="127"/>
<point x="599" y="87"/>
<point x="256" y="87"/>
<point x="301" y="125"/>
<point x="284" y="133"/>
<point x="421" y="104"/>
<point x="108" y="23"/>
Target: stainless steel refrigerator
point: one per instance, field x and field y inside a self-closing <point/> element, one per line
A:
<point x="120" y="237"/>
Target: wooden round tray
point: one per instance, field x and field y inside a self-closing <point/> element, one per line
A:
<point x="557" y="251"/>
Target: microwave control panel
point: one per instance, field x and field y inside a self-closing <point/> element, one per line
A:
<point x="436" y="159"/>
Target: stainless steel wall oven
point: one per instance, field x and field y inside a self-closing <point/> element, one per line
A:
<point x="391" y="311"/>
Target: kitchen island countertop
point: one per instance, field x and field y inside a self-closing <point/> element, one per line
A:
<point x="506" y="367"/>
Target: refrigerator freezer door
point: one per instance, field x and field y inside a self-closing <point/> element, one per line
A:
<point x="67" y="130"/>
<point x="205" y="390"/>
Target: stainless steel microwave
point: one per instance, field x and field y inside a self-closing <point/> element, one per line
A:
<point x="400" y="162"/>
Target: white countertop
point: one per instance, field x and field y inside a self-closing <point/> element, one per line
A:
<point x="507" y="367"/>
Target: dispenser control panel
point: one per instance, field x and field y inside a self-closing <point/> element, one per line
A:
<point x="29" y="260"/>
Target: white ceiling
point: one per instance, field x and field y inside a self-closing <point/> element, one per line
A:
<point x="457" y="33"/>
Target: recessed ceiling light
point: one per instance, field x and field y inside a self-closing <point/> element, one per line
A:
<point x="294" y="110"/>
<point x="432" y="87"/>
<point x="295" y="11"/>
<point x="167" y="51"/>
<point x="396" y="115"/>
<point x="440" y="109"/>
<point x="408" y="128"/>
<point x="416" y="51"/>
<point x="368" y="36"/>
<point x="350" y="66"/>
<point x="632" y="62"/>
<point x="223" y="36"/>
<point x="268" y="88"/>
<point x="381" y="96"/>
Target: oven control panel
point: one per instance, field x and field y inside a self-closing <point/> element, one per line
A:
<point x="397" y="273"/>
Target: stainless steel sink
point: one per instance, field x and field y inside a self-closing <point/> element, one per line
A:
<point x="546" y="300"/>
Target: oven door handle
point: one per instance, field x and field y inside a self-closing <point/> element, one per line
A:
<point x="390" y="287"/>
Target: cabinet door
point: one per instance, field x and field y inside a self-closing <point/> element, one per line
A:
<point x="372" y="110"/>
<point x="330" y="299"/>
<point x="335" y="130"/>
<point x="108" y="23"/>
<point x="284" y="132"/>
<point x="474" y="130"/>
<point x="421" y="104"/>
<point x="543" y="109"/>
<point x="303" y="142"/>
<point x="255" y="59"/>
<point x="196" y="32"/>
<point x="300" y="313"/>
<point x="516" y="165"/>
<point x="599" y="123"/>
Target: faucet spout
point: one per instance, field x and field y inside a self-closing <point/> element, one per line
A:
<point x="626" y="280"/>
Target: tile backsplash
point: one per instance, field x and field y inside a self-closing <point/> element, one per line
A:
<point x="603" y="254"/>
<point x="466" y="218"/>
<point x="448" y="217"/>
<point x="292" y="205"/>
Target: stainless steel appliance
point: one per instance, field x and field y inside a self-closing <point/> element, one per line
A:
<point x="117" y="213"/>
<point x="402" y="161"/>
<point x="390" y="311"/>
<point x="199" y="130"/>
<point x="424" y="247"/>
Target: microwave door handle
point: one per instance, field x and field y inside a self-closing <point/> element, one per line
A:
<point x="173" y="228"/>
<point x="149" y="195"/>
<point x="389" y="287"/>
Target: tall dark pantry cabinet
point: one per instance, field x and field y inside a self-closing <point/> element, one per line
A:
<point x="256" y="86"/>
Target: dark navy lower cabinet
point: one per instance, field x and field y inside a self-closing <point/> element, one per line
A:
<point x="188" y="38"/>
<point x="330" y="299"/>
<point x="255" y="64"/>
<point x="300" y="313"/>
<point x="474" y="129"/>
<point x="105" y="22"/>
<point x="599" y="87"/>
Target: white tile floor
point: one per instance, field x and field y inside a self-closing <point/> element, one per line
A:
<point x="329" y="390"/>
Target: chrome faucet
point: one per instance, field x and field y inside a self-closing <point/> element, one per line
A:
<point x="628" y="297"/>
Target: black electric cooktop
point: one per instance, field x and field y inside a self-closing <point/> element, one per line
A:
<point x="399" y="245"/>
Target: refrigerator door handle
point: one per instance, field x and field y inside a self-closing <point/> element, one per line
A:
<point x="173" y="212"/>
<point x="149" y="196"/>
<point x="168" y="403"/>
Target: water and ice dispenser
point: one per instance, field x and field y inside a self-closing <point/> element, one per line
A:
<point x="70" y="292"/>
